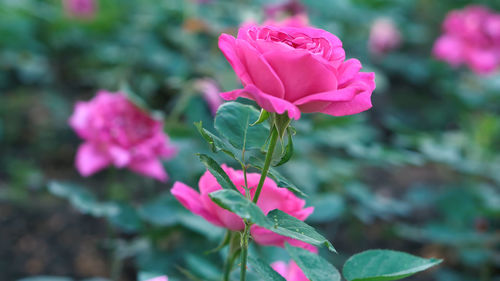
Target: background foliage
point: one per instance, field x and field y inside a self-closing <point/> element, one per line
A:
<point x="418" y="172"/>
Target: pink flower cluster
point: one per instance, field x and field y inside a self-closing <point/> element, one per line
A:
<point x="272" y="197"/>
<point x="80" y="8"/>
<point x="117" y="132"/>
<point x="472" y="37"/>
<point x="296" y="70"/>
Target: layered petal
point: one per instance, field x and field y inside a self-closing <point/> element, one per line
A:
<point x="268" y="102"/>
<point x="301" y="74"/>
<point x="191" y="200"/>
<point x="365" y="84"/>
<point x="90" y="158"/>
<point x="261" y="74"/>
<point x="227" y="44"/>
<point x="151" y="167"/>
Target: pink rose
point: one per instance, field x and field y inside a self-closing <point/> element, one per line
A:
<point x="296" y="70"/>
<point x="472" y="37"/>
<point x="160" y="278"/>
<point x="272" y="197"/>
<point x="210" y="92"/>
<point x="291" y="271"/>
<point x="117" y="132"/>
<point x="80" y="8"/>
<point x="384" y="36"/>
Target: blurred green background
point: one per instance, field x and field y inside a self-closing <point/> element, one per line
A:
<point x="419" y="172"/>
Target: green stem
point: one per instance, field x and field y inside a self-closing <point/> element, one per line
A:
<point x="231" y="256"/>
<point x="244" y="252"/>
<point x="267" y="163"/>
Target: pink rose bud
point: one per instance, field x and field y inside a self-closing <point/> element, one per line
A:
<point x="117" y="132"/>
<point x="210" y="92"/>
<point x="296" y="70"/>
<point x="384" y="36"/>
<point x="271" y="197"/>
<point x="80" y="8"/>
<point x="291" y="271"/>
<point x="470" y="36"/>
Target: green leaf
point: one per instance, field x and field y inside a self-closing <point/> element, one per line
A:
<point x="160" y="211"/>
<point x="266" y="272"/>
<point x="83" y="200"/>
<point x="264" y="115"/>
<point x="314" y="267"/>
<point x="288" y="151"/>
<point x="235" y="202"/>
<point x="127" y="218"/>
<point x="281" y="122"/>
<point x="280" y="180"/>
<point x="384" y="265"/>
<point x="276" y="221"/>
<point x="215" y="169"/>
<point x="216" y="144"/>
<point x="292" y="227"/>
<point x="233" y="122"/>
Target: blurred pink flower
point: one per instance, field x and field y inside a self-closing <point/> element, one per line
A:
<point x="285" y="9"/>
<point x="299" y="20"/>
<point x="472" y="37"/>
<point x="291" y="271"/>
<point x="296" y="70"/>
<point x="384" y="36"/>
<point x="117" y="132"/>
<point x="272" y="197"/>
<point x="80" y="8"/>
<point x="211" y="93"/>
<point x="160" y="278"/>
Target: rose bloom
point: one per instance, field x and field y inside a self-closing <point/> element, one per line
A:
<point x="297" y="70"/>
<point x="117" y="132"/>
<point x="291" y="271"/>
<point x="271" y="197"/>
<point x="384" y="36"/>
<point x="470" y="36"/>
<point x="80" y="8"/>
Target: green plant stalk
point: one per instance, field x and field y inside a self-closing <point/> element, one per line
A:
<point x="244" y="252"/>
<point x="267" y="163"/>
<point x="231" y="256"/>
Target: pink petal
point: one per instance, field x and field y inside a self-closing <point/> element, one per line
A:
<point x="79" y="119"/>
<point x="280" y="267"/>
<point x="121" y="157"/>
<point x="301" y="73"/>
<point x="360" y="103"/>
<point x="90" y="159"/>
<point x="191" y="200"/>
<point x="160" y="278"/>
<point x="227" y="44"/>
<point x="149" y="167"/>
<point x="261" y="73"/>
<point x="449" y="49"/>
<point x="348" y="70"/>
<point x="482" y="61"/>
<point x="268" y="102"/>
